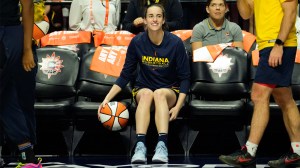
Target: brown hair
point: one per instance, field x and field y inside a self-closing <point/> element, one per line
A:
<point x="164" y="26"/>
<point x="209" y="1"/>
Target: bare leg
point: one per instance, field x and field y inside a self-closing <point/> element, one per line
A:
<point x="142" y="116"/>
<point x="283" y="97"/>
<point x="260" y="97"/>
<point x="164" y="99"/>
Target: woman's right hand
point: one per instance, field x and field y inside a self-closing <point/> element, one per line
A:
<point x="103" y="104"/>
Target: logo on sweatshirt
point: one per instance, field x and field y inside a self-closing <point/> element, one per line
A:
<point x="154" y="61"/>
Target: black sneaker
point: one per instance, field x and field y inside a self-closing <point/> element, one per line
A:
<point x="289" y="159"/>
<point x="27" y="156"/>
<point x="241" y="158"/>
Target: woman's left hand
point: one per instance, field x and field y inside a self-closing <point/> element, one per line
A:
<point x="174" y="113"/>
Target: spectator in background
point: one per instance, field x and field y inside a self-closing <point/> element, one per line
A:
<point x="216" y="28"/>
<point x="55" y="15"/>
<point x="133" y="20"/>
<point x="89" y="15"/>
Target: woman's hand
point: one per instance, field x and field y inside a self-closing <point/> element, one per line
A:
<point x="102" y="105"/>
<point x="174" y="113"/>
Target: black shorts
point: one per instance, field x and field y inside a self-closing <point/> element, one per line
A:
<point x="280" y="75"/>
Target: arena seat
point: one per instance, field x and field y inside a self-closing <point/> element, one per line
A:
<point x="219" y="92"/>
<point x="56" y="92"/>
<point x="91" y="90"/>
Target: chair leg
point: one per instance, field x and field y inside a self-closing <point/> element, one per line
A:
<point x="183" y="135"/>
<point x="192" y="135"/>
<point x="77" y="135"/>
<point x="0" y="154"/>
<point x="241" y="136"/>
<point x="126" y="134"/>
<point x="68" y="137"/>
<point x="1" y="143"/>
<point x="132" y="140"/>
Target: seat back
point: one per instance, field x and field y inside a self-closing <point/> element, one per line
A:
<point x="227" y="77"/>
<point x="96" y="85"/>
<point x="91" y="90"/>
<point x="57" y="73"/>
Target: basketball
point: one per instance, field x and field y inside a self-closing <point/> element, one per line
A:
<point x="114" y="116"/>
<point x="40" y="28"/>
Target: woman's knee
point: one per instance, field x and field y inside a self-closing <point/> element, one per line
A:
<point x="160" y="94"/>
<point x="145" y="95"/>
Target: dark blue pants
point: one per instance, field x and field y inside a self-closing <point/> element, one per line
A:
<point x="17" y="88"/>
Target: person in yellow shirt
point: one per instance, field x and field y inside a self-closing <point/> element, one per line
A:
<point x="277" y="44"/>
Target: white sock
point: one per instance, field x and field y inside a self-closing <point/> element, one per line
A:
<point x="296" y="147"/>
<point x="251" y="148"/>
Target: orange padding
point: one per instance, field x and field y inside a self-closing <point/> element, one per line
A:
<point x="58" y="38"/>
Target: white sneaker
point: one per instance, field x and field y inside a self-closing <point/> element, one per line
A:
<point x="161" y="153"/>
<point x="139" y="153"/>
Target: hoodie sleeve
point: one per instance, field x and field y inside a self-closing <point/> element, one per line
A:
<point x="183" y="67"/>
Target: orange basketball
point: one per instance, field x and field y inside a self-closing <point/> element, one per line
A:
<point x="114" y="116"/>
<point x="40" y="28"/>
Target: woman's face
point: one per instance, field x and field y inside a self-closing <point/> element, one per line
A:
<point x="216" y="9"/>
<point x="154" y="18"/>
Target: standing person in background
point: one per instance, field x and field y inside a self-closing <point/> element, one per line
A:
<point x="55" y="15"/>
<point x="89" y="15"/>
<point x="216" y="28"/>
<point x="161" y="84"/>
<point x="277" y="44"/>
<point x="133" y="20"/>
<point x="17" y="80"/>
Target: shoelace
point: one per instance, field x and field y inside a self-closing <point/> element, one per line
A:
<point x="139" y="148"/>
<point x="23" y="164"/>
<point x="161" y="149"/>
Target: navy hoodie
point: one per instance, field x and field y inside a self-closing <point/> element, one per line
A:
<point x="160" y="66"/>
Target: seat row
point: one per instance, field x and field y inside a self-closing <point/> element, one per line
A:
<point x="68" y="94"/>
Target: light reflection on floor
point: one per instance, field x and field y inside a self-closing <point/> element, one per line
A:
<point x="124" y="162"/>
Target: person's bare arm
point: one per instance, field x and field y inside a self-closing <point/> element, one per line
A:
<point x="245" y="8"/>
<point x="27" y="21"/>
<point x="47" y="9"/>
<point x="196" y="45"/>
<point x="288" y="21"/>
